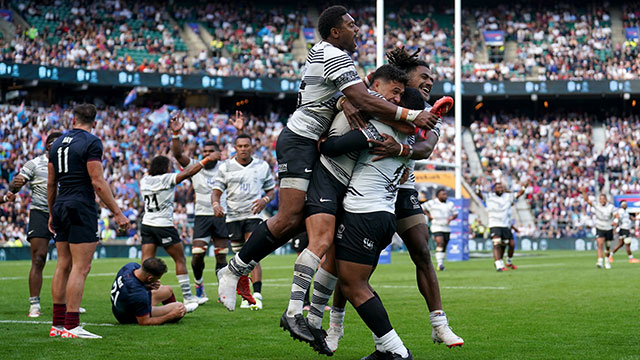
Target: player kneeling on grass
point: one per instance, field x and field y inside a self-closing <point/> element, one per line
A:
<point x="137" y="290"/>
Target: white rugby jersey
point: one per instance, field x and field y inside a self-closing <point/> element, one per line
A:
<point x="499" y="209"/>
<point x="604" y="216"/>
<point x="327" y="71"/>
<point x="36" y="172"/>
<point x="244" y="184"/>
<point x="440" y="212"/>
<point x="411" y="140"/>
<point x="158" y="194"/>
<point x="341" y="167"/>
<point x="374" y="185"/>
<point x="624" y="218"/>
<point x="203" y="183"/>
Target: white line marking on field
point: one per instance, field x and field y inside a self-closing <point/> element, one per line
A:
<point x="541" y="265"/>
<point x="51" y="276"/>
<point x="34" y="322"/>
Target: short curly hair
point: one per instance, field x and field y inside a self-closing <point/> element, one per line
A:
<point x="330" y="18"/>
<point x="400" y="58"/>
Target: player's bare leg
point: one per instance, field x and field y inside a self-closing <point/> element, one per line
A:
<point x="600" y="251"/>
<point x="39" y="247"/>
<point x="165" y="296"/>
<point x="498" y="251"/>
<point x="266" y="238"/>
<point x="59" y="288"/>
<point x="512" y="247"/>
<point x="176" y="251"/>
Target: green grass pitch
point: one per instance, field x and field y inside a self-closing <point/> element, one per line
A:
<point x="556" y="306"/>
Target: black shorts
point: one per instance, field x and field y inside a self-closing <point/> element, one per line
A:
<point x="445" y="235"/>
<point x="75" y="221"/>
<point x="296" y="155"/>
<point x="38" y="225"/>
<point x="325" y="193"/>
<point x="206" y="227"/>
<point x="360" y="238"/>
<point x="124" y="318"/>
<point x="504" y="233"/>
<point x="160" y="236"/>
<point x="237" y="229"/>
<point x="623" y="233"/>
<point x="300" y="242"/>
<point x="606" y="234"/>
<point x="407" y="203"/>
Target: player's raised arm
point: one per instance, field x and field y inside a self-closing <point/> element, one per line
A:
<point x="176" y="125"/>
<point x="586" y="197"/>
<point x="522" y="190"/>
<point x="194" y="168"/>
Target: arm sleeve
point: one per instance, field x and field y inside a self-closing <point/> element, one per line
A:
<point x="339" y="69"/>
<point x="426" y="206"/>
<point x="28" y="170"/>
<point x="221" y="179"/>
<point x="269" y="183"/>
<point x="354" y="140"/>
<point x="94" y="151"/>
<point x="168" y="180"/>
<point x="454" y="211"/>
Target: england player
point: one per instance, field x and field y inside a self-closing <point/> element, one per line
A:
<point x="623" y="222"/>
<point x="245" y="179"/>
<point x="499" y="204"/>
<point x="327" y="71"/>
<point x="157" y="188"/>
<point x="136" y="292"/>
<point x="326" y="191"/>
<point x="440" y="213"/>
<point x="35" y="173"/>
<point x="411" y="223"/>
<point x="207" y="227"/>
<point x="605" y="214"/>
<point x="75" y="176"/>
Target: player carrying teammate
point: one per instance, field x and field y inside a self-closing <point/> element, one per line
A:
<point x="440" y="213"/>
<point x="623" y="221"/>
<point x="38" y="234"/>
<point x="75" y="176"/>
<point x="499" y="205"/>
<point x="245" y="179"/>
<point x="157" y="188"/>
<point x="327" y="71"/>
<point x="207" y="227"/>
<point x="136" y="291"/>
<point x="605" y="213"/>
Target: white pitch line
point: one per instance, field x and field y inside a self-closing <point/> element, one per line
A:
<point x="51" y="276"/>
<point x="34" y="322"/>
<point x="541" y="265"/>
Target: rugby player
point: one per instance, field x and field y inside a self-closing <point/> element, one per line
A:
<point x="136" y="291"/>
<point x="245" y="179"/>
<point x="605" y="213"/>
<point x="328" y="70"/>
<point x="623" y="223"/>
<point x="35" y="173"/>
<point x="440" y="213"/>
<point x="75" y="176"/>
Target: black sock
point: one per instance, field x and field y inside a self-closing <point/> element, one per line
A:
<point x="375" y="316"/>
<point x="198" y="269"/>
<point x="307" y="302"/>
<point x="378" y="296"/>
<point x="257" y="287"/>
<point x="220" y="266"/>
<point x="260" y="244"/>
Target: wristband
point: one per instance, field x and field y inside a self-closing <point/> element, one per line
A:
<point x="174" y="136"/>
<point x="406" y="114"/>
<point x="406" y="151"/>
<point x="266" y="199"/>
<point x="410" y="152"/>
<point x="204" y="161"/>
<point x="340" y="102"/>
<point x="401" y="150"/>
<point x="4" y="198"/>
<point x="215" y="204"/>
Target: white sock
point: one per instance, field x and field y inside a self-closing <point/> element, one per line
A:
<point x="508" y="261"/>
<point x="438" y="318"/>
<point x="323" y="286"/>
<point x="185" y="286"/>
<point x="391" y="342"/>
<point x="440" y="258"/>
<point x="630" y="257"/>
<point x="606" y="260"/>
<point x="35" y="300"/>
<point x="336" y="316"/>
<point x="378" y="342"/>
<point x="303" y="271"/>
<point x="600" y="261"/>
<point x="498" y="265"/>
<point x="197" y="281"/>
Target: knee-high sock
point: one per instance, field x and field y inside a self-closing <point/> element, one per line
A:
<point x="185" y="285"/>
<point x="323" y="287"/>
<point x="306" y="265"/>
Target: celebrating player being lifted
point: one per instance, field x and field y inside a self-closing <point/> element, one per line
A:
<point x="245" y="179"/>
<point x="158" y="189"/>
<point x="624" y="221"/>
<point x="327" y="71"/>
<point x="440" y="213"/>
<point x="207" y="226"/>
<point x="38" y="234"/>
<point x="605" y="213"/>
<point x="499" y="205"/>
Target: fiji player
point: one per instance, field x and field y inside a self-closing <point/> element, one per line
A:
<point x="605" y="214"/>
<point x="624" y="220"/>
<point x="75" y="176"/>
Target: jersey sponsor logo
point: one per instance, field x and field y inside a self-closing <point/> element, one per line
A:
<point x="368" y="244"/>
<point x="282" y="167"/>
<point x="166" y="240"/>
<point x="324" y="200"/>
<point x="307" y="170"/>
<point x="30" y="232"/>
<point x="414" y="201"/>
<point x="230" y="235"/>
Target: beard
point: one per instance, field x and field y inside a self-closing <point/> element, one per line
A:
<point x="210" y="165"/>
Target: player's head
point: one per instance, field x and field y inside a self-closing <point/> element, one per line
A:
<point x="51" y="138"/>
<point x="603" y="199"/>
<point x="209" y="147"/>
<point x="389" y="82"/>
<point x="153" y="269"/>
<point x="84" y="115"/>
<point x="418" y="71"/>
<point x="623" y="204"/>
<point x="244" y="147"/>
<point x="498" y="188"/>
<point x="337" y="27"/>
<point x="412" y="99"/>
<point x="441" y="194"/>
<point x="159" y="165"/>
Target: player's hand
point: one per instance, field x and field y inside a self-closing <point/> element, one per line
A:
<point x="176" y="122"/>
<point x="426" y="120"/>
<point x="405" y="176"/>
<point x="384" y="149"/>
<point x="122" y="221"/>
<point x="19" y="181"/>
<point x="214" y="156"/>
<point x="8" y="197"/>
<point x="322" y="139"/>
<point x="178" y="312"/>
<point x="237" y="121"/>
<point x="353" y="115"/>
<point x="50" y="225"/>
<point x="218" y="211"/>
<point x="258" y="205"/>
<point x="155" y="285"/>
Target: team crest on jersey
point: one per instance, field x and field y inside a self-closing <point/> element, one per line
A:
<point x="282" y="168"/>
<point x="340" y="231"/>
<point x="368" y="244"/>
